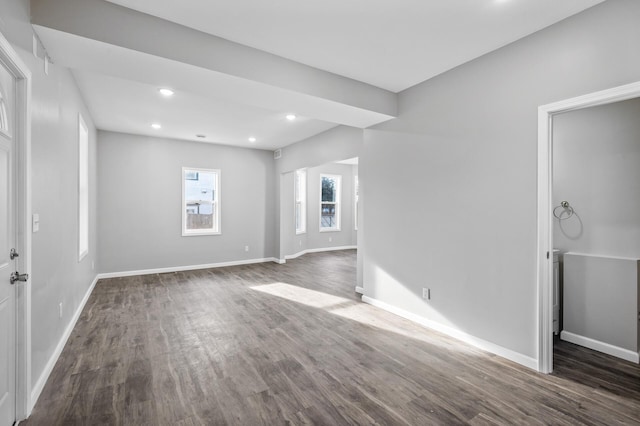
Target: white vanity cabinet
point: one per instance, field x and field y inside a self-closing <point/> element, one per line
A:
<point x="556" y="292"/>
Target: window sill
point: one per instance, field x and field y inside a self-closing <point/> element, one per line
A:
<point x="329" y="229"/>
<point x="199" y="234"/>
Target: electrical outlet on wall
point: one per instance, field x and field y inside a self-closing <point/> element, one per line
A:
<point x="426" y="293"/>
<point x="330" y="239"/>
<point x="246" y="248"/>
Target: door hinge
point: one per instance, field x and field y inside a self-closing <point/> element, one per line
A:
<point x="13" y="254"/>
<point x="547" y="255"/>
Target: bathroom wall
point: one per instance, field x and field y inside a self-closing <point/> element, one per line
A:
<point x="596" y="168"/>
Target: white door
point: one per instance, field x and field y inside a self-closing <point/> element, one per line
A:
<point x="7" y="242"/>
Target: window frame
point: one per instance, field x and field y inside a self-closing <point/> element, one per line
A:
<point x="83" y="188"/>
<point x="300" y="183"/>
<point x="337" y="203"/>
<point x="356" y="199"/>
<point x="217" y="229"/>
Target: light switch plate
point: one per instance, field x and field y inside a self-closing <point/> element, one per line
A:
<point x="35" y="222"/>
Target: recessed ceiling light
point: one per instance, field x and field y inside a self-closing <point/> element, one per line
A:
<point x="156" y="126"/>
<point x="166" y="92"/>
<point x="201" y="136"/>
<point x="252" y="139"/>
<point x="291" y="117"/>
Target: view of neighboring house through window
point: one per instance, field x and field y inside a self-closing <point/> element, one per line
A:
<point x="330" y="202"/>
<point x="301" y="201"/>
<point x="200" y="201"/>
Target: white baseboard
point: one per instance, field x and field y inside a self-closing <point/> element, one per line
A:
<point x="42" y="380"/>
<point x="457" y="334"/>
<point x="185" y="268"/>
<point x="596" y="345"/>
<point x="318" y="250"/>
<point x="359" y="290"/>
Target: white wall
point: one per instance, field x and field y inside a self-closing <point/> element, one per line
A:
<point x="140" y="187"/>
<point x="456" y="173"/>
<point x="56" y="276"/>
<point x="596" y="167"/>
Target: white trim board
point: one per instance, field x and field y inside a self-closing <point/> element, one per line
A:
<point x="456" y="334"/>
<point x="360" y="290"/>
<point x="185" y="268"/>
<point x="599" y="346"/>
<point x="318" y="250"/>
<point x="42" y="380"/>
<point x="544" y="276"/>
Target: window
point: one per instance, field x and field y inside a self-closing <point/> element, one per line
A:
<point x="301" y="201"/>
<point x="330" y="202"/>
<point x="4" y="119"/>
<point x="200" y="201"/>
<point x="356" y="190"/>
<point x="83" y="189"/>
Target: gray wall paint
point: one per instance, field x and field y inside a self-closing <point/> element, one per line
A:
<point x="601" y="299"/>
<point x="344" y="237"/>
<point x="56" y="275"/>
<point x="596" y="167"/>
<point x="140" y="190"/>
<point x="292" y="243"/>
<point x="459" y="168"/>
<point x="339" y="143"/>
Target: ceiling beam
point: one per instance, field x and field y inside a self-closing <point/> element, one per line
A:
<point x="264" y="79"/>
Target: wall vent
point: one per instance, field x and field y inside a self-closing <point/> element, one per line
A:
<point x="277" y="154"/>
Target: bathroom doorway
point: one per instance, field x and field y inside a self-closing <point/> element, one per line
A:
<point x="548" y="117"/>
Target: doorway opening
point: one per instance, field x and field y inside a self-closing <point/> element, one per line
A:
<point x="546" y="207"/>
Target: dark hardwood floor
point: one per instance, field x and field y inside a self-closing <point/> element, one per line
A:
<point x="270" y="344"/>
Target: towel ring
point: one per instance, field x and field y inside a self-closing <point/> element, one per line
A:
<point x="567" y="208"/>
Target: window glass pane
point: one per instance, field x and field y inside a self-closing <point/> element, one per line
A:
<point x="328" y="216"/>
<point x="328" y="189"/>
<point x="200" y="200"/>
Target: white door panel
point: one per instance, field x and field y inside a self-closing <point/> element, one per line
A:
<point x="7" y="242"/>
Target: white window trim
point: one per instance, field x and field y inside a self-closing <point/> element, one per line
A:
<point x="217" y="230"/>
<point x="338" y="203"/>
<point x="83" y="188"/>
<point x="356" y="199"/>
<point x="303" y="202"/>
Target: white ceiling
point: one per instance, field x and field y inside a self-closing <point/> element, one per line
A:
<point x="239" y="66"/>
<point x="392" y="44"/>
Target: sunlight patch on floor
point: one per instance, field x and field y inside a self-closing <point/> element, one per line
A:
<point x="362" y="313"/>
<point x="315" y="299"/>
